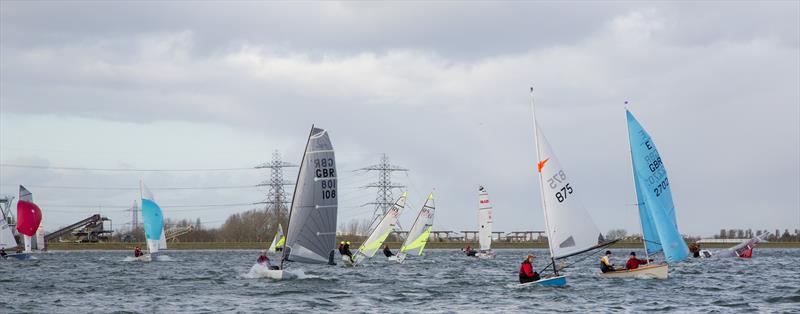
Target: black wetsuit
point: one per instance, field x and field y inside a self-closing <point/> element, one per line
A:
<point x="387" y="252"/>
<point x="347" y="251"/>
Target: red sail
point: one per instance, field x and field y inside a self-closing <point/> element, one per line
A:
<point x="29" y="216"/>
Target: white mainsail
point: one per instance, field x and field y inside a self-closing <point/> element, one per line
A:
<point x="484" y="220"/>
<point x="311" y="233"/>
<point x="385" y="227"/>
<point x="570" y="229"/>
<point x="421" y="229"/>
<point x="40" y="238"/>
<point x="7" y="240"/>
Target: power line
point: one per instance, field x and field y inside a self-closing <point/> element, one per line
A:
<point x="127" y="207"/>
<point x="384" y="185"/>
<point x="166" y="188"/>
<point x="124" y="169"/>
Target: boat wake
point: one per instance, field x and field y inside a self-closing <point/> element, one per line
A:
<point x="260" y="271"/>
<point x="164" y="258"/>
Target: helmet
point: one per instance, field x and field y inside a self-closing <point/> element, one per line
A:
<point x="348" y="242"/>
<point x="263" y="251"/>
<point x="341" y="242"/>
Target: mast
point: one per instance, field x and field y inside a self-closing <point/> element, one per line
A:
<point x="541" y="185"/>
<point x="294" y="194"/>
<point x="635" y="192"/>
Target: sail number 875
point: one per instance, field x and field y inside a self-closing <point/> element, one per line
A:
<point x="560" y="177"/>
<point x="562" y="194"/>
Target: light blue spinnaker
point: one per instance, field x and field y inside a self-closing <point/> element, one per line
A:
<point x="153" y="221"/>
<point x="656" y="209"/>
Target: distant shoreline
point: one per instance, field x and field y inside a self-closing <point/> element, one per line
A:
<point x="63" y="246"/>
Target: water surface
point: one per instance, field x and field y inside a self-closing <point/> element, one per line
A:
<point x="441" y="281"/>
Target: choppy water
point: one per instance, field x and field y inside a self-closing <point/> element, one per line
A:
<point x="442" y="281"/>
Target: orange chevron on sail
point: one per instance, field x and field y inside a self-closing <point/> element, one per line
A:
<point x="541" y="164"/>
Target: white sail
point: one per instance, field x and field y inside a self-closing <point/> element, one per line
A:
<point x="311" y="234"/>
<point x="40" y="238"/>
<point x="570" y="229"/>
<point x="387" y="224"/>
<point x="421" y="229"/>
<point x="7" y="240"/>
<point x="484" y="220"/>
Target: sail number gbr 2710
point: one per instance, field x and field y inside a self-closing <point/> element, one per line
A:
<point x="559" y="178"/>
<point x="326" y="174"/>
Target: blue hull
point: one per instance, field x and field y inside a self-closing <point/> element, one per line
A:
<point x="559" y="281"/>
<point x="19" y="256"/>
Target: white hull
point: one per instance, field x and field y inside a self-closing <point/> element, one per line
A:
<point x="392" y="258"/>
<point x="400" y="257"/>
<point x="346" y="261"/>
<point x="279" y="274"/>
<point x="647" y="271"/>
<point x="486" y="254"/>
<point x="144" y="258"/>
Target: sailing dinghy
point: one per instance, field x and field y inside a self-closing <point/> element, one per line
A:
<point x="311" y="230"/>
<point x="374" y="241"/>
<point x="742" y="250"/>
<point x="485" y="224"/>
<point x="656" y="209"/>
<point x="153" y="220"/>
<point x="278" y="241"/>
<point x="420" y="231"/>
<point x="29" y="219"/>
<point x="569" y="228"/>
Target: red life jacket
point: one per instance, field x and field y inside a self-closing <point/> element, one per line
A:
<point x="262" y="259"/>
<point x="526" y="269"/>
<point x="633" y="263"/>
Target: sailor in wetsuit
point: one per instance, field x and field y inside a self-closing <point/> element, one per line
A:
<point x="469" y="251"/>
<point x="137" y="252"/>
<point x="263" y="259"/>
<point x="633" y="262"/>
<point x="3" y="253"/>
<point x="347" y="250"/>
<point x="387" y="251"/>
<point x="526" y="273"/>
<point x="605" y="263"/>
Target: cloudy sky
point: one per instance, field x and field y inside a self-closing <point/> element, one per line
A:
<point x="442" y="88"/>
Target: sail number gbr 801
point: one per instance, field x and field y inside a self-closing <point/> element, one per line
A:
<point x="326" y="173"/>
<point x="558" y="178"/>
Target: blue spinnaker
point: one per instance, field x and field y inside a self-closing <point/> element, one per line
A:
<point x="153" y="220"/>
<point x="656" y="209"/>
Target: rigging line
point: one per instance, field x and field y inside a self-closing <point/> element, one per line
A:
<point x="124" y="169"/>
<point x="76" y="187"/>
<point x="598" y="249"/>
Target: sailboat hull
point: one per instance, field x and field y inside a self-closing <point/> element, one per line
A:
<point x="486" y="254"/>
<point x="279" y="274"/>
<point x="555" y="281"/>
<point x="144" y="258"/>
<point x="19" y="256"/>
<point x="347" y="262"/>
<point x="648" y="271"/>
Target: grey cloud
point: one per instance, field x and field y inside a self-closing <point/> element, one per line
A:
<point x="443" y="89"/>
